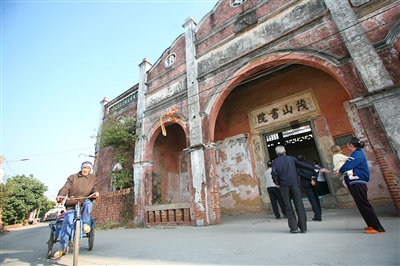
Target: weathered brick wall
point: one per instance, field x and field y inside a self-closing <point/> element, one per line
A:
<point x="386" y="164"/>
<point x="103" y="173"/>
<point x="114" y="207"/>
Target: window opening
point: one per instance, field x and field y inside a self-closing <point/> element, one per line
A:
<point x="290" y="136"/>
<point x="343" y="140"/>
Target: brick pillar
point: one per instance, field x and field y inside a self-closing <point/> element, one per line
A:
<point x="157" y="215"/>
<point x="171" y="216"/>
<point x="151" y="217"/>
<point x="186" y="215"/>
<point x="179" y="215"/>
<point x="164" y="217"/>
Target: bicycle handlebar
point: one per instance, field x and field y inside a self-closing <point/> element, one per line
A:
<point x="65" y="198"/>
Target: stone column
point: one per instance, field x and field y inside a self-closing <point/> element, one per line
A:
<point x="103" y="113"/>
<point x="365" y="58"/>
<point x="200" y="206"/>
<point x="138" y="165"/>
<point x="212" y="184"/>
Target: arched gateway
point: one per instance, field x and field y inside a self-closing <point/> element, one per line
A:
<point x="250" y="76"/>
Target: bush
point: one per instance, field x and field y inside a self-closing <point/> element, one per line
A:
<point x="119" y="133"/>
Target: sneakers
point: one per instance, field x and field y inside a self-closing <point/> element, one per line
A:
<point x="59" y="253"/>
<point x="298" y="231"/>
<point x="372" y="231"/>
<point x="316" y="219"/>
<point x="86" y="228"/>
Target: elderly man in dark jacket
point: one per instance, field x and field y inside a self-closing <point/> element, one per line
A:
<point x="284" y="174"/>
<point x="81" y="184"/>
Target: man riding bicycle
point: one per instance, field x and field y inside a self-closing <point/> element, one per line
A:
<point x="78" y="185"/>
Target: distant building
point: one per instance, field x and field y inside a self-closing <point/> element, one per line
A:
<point x="252" y="75"/>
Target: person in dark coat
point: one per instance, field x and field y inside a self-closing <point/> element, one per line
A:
<point x="81" y="184"/>
<point x="285" y="176"/>
<point x="309" y="182"/>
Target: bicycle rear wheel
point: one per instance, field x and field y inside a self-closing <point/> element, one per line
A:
<point x="77" y="239"/>
<point x="91" y="238"/>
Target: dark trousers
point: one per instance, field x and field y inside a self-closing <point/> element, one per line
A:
<point x="312" y="195"/>
<point x="294" y="193"/>
<point x="359" y="193"/>
<point x="275" y="197"/>
<point x="323" y="188"/>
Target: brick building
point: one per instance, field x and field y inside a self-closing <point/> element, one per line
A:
<point x="249" y="76"/>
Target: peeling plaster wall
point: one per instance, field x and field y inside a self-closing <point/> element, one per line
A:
<point x="238" y="188"/>
<point x="259" y="160"/>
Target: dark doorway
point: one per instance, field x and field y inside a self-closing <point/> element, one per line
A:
<point x="299" y="140"/>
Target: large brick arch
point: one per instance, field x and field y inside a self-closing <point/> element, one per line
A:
<point x="346" y="75"/>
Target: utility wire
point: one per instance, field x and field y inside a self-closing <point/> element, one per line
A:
<point x="59" y="152"/>
<point x="9" y="166"/>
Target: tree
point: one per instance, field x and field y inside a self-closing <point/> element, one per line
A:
<point x="3" y="195"/>
<point x="119" y="133"/>
<point x="25" y="194"/>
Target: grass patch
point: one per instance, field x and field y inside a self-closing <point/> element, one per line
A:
<point x="124" y="224"/>
<point x="107" y="226"/>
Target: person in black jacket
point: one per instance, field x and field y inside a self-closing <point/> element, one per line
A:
<point x="284" y="174"/>
<point x="309" y="182"/>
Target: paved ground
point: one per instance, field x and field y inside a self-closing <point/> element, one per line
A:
<point x="240" y="240"/>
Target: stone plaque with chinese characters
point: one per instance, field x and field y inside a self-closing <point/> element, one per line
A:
<point x="291" y="108"/>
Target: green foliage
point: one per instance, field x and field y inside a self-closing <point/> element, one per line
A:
<point x="24" y="194"/>
<point x="49" y="204"/>
<point x="120" y="135"/>
<point x="122" y="179"/>
<point x="4" y="192"/>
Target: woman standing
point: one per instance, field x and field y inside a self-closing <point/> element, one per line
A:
<point x="358" y="186"/>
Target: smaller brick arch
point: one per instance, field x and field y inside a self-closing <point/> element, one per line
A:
<point x="155" y="131"/>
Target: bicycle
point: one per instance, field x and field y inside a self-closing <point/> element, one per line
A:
<point x="75" y="239"/>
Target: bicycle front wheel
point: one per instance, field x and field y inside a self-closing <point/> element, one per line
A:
<point x="50" y="245"/>
<point x="77" y="239"/>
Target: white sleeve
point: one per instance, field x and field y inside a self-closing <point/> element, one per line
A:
<point x="338" y="161"/>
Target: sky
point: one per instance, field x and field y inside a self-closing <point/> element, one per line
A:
<point x="59" y="59"/>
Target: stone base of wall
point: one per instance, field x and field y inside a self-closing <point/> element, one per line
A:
<point x="169" y="214"/>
